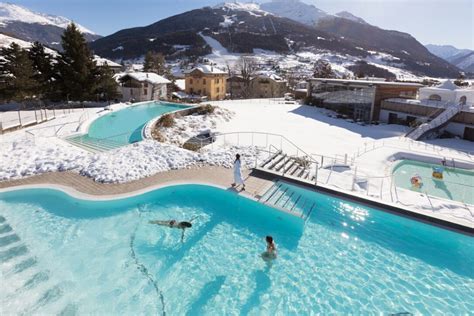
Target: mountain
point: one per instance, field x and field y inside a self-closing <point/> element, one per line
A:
<point x="238" y="27"/>
<point x="295" y="10"/>
<point x="350" y="16"/>
<point x="446" y="51"/>
<point x="33" y="26"/>
<point x="461" y="58"/>
<point x="247" y="27"/>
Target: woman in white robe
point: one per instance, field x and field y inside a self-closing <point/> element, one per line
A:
<point x="238" y="173"/>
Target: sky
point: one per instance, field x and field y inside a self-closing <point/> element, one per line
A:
<point x="429" y="21"/>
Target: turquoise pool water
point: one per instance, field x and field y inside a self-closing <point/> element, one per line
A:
<point x="125" y="126"/>
<point x="457" y="184"/>
<point x="104" y="257"/>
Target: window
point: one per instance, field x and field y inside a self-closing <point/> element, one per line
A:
<point x="204" y="81"/>
<point x="463" y="100"/>
<point x="217" y="90"/>
<point x="145" y="91"/>
<point x="204" y="91"/>
<point x="217" y="80"/>
<point x="190" y="81"/>
<point x="145" y="84"/>
<point x="435" y="97"/>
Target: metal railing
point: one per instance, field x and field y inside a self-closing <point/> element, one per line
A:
<point x="439" y="120"/>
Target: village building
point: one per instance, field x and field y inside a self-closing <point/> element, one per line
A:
<point x="142" y="86"/>
<point x="264" y="86"/>
<point x="358" y="99"/>
<point x="451" y="104"/>
<point x="103" y="62"/>
<point x="207" y="81"/>
<point x="258" y="87"/>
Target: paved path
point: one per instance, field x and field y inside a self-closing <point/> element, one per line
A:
<point x="218" y="176"/>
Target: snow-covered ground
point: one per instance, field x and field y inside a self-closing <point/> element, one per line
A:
<point x="315" y="131"/>
<point x="188" y="126"/>
<point x="308" y="127"/>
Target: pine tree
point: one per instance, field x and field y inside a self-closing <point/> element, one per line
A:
<point x="323" y="69"/>
<point x="17" y="80"/>
<point x="107" y="87"/>
<point x="77" y="71"/>
<point x="155" y="62"/>
<point x="43" y="69"/>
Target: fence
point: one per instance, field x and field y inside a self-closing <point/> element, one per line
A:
<point x="340" y="171"/>
<point x="12" y="120"/>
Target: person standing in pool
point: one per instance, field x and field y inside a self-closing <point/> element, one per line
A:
<point x="238" y="173"/>
<point x="271" y="252"/>
<point x="174" y="224"/>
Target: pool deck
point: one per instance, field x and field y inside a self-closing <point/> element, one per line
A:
<point x="257" y="183"/>
<point x="215" y="176"/>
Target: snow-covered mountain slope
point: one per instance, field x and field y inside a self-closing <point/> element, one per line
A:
<point x="11" y="12"/>
<point x="296" y="10"/>
<point x="33" y="26"/>
<point x="251" y="8"/>
<point x="461" y="58"/>
<point x="6" y="40"/>
<point x="445" y="51"/>
<point x="243" y="28"/>
<point x="350" y="16"/>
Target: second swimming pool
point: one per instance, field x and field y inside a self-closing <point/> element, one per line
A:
<point x="457" y="184"/>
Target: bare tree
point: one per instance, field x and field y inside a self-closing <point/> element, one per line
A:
<point x="246" y="67"/>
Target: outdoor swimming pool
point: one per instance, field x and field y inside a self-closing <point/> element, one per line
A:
<point x="103" y="257"/>
<point x="457" y="184"/>
<point x="125" y="126"/>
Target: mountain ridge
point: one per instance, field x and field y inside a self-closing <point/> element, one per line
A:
<point x="34" y="26"/>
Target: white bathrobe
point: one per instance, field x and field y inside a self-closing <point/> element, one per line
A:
<point x="237" y="173"/>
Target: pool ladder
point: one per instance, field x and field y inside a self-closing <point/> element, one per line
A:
<point x="288" y="200"/>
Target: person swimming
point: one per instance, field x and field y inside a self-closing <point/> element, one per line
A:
<point x="271" y="252"/>
<point x="174" y="224"/>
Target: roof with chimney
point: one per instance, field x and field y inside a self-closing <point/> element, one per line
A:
<point x="149" y="77"/>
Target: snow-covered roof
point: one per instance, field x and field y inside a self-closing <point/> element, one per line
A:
<point x="368" y="82"/>
<point x="270" y="76"/>
<point x="448" y="85"/>
<point x="207" y="69"/>
<point x="149" y="77"/>
<point x="180" y="83"/>
<point x="102" y="61"/>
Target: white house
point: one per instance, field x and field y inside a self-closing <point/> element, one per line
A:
<point x="142" y="86"/>
<point x="448" y="92"/>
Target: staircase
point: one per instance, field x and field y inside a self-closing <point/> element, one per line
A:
<point x="299" y="168"/>
<point x="95" y="145"/>
<point x="436" y="123"/>
<point x="26" y="287"/>
<point x="282" y="196"/>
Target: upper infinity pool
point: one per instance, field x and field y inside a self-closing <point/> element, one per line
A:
<point x="456" y="184"/>
<point x="61" y="255"/>
<point x="125" y="126"/>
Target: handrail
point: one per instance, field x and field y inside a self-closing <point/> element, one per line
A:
<point x="213" y="137"/>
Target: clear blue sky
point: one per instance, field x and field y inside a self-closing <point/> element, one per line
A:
<point x="430" y="21"/>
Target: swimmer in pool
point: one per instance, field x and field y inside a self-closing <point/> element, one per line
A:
<point x="174" y="224"/>
<point x="271" y="252"/>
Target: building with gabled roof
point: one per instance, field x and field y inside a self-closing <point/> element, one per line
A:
<point x="142" y="86"/>
<point x="206" y="80"/>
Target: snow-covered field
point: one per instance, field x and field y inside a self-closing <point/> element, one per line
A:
<point x="310" y="128"/>
<point x="316" y="131"/>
